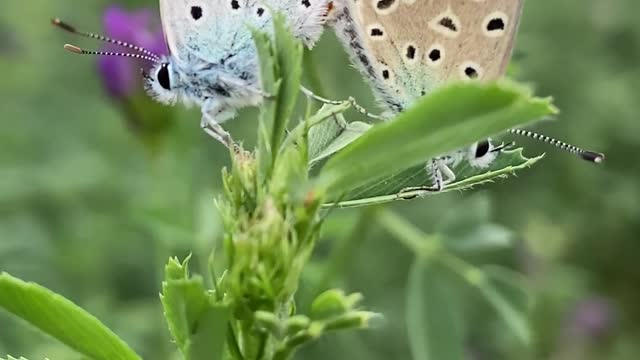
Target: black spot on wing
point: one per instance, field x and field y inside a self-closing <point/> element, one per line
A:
<point x="448" y="23"/>
<point x="384" y="4"/>
<point x="495" y="24"/>
<point x="196" y="12"/>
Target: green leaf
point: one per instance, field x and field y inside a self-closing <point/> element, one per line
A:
<point x="467" y="227"/>
<point x="9" y="357"/>
<point x="62" y="319"/>
<point x="197" y="325"/>
<point x="320" y="131"/>
<point x="434" y="332"/>
<point x="481" y="238"/>
<point x="345" y="136"/>
<point x="449" y="119"/>
<point x="506" y="291"/>
<point x="270" y="85"/>
<point x="281" y="73"/>
<point x="289" y="53"/>
<point x="323" y="134"/>
<point x="387" y="189"/>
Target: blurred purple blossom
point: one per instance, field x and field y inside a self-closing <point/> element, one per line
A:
<point x="591" y="318"/>
<point x="120" y="75"/>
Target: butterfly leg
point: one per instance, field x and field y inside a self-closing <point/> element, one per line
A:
<point x="359" y="108"/>
<point x="210" y="126"/>
<point x="441" y="173"/>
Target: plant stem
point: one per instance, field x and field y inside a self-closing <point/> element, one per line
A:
<point x="419" y="243"/>
<point x="428" y="246"/>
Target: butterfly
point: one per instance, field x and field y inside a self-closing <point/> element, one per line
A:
<point x="407" y="48"/>
<point x="213" y="62"/>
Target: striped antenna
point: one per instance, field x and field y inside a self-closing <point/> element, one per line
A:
<point x="76" y="50"/>
<point x="587" y="155"/>
<point x="64" y="26"/>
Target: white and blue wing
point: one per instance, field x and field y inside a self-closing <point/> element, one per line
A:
<point x="210" y="30"/>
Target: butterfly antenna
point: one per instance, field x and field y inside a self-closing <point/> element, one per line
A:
<point x="591" y="156"/>
<point x="64" y="26"/>
<point x="76" y="50"/>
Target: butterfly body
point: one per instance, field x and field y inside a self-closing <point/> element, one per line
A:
<point x="407" y="48"/>
<point x="214" y="62"/>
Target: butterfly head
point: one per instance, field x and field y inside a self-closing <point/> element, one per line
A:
<point x="162" y="83"/>
<point x="483" y="153"/>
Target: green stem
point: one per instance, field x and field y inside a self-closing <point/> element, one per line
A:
<point x="465" y="270"/>
<point x="411" y="237"/>
<point x="232" y="344"/>
<point x="428" y="246"/>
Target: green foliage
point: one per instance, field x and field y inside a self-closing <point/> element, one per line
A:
<point x="434" y="126"/>
<point x="431" y="308"/>
<point x="433" y="324"/>
<point x="506" y="291"/>
<point x="62" y="319"/>
<point x="197" y="323"/>
<point x="89" y="211"/>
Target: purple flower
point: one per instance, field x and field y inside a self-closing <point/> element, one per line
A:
<point x="591" y="318"/>
<point x="121" y="76"/>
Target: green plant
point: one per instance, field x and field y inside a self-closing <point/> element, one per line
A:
<point x="274" y="203"/>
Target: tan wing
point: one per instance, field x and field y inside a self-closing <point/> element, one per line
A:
<point x="408" y="47"/>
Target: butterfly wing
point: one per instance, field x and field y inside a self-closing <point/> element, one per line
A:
<point x="408" y="47"/>
<point x="209" y="29"/>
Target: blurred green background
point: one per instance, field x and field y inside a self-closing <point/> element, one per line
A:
<point x="92" y="209"/>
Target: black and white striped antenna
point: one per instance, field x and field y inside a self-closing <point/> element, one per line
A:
<point x="69" y="28"/>
<point x="591" y="156"/>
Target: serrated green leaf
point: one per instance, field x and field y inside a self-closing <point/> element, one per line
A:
<point x="436" y="125"/>
<point x="9" y="357"/>
<point x="434" y="332"/>
<point x="507" y="293"/>
<point x="210" y="334"/>
<point x="196" y="324"/>
<point x="62" y="319"/>
<point x="387" y="189"/>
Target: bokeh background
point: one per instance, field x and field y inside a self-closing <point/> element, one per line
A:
<point x="96" y="192"/>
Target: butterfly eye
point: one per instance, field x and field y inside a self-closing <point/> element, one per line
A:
<point x="482" y="148"/>
<point x="163" y="77"/>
